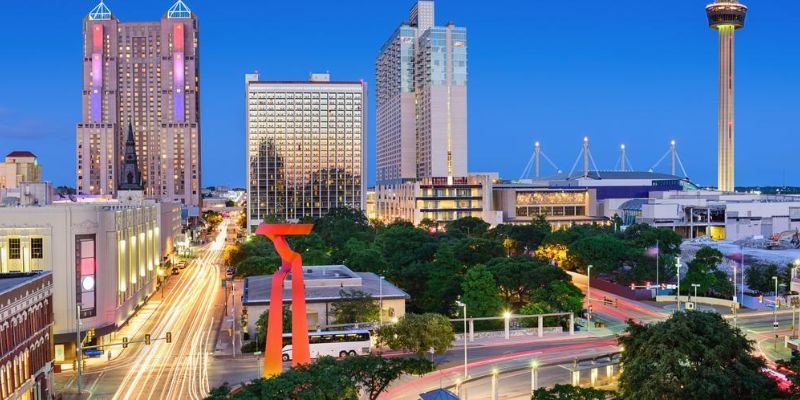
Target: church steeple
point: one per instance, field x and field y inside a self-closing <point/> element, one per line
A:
<point x="130" y="178"/>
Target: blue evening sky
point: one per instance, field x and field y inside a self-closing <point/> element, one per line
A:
<point x="633" y="72"/>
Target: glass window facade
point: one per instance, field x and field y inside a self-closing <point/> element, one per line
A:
<point x="306" y="148"/>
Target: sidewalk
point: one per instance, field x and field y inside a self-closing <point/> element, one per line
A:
<point x="229" y="335"/>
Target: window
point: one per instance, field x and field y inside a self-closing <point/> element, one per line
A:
<point x="13" y="249"/>
<point x="37" y="252"/>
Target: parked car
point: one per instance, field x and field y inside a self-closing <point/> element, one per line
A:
<point x="175" y="271"/>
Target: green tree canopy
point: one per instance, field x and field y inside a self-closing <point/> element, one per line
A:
<point x="759" y="277"/>
<point x="329" y="379"/>
<point x="702" y="270"/>
<point x="569" y="392"/>
<point x="467" y="226"/>
<point x="364" y="257"/>
<point x="518" y="276"/>
<point x="418" y="333"/>
<point x="480" y="293"/>
<point x="692" y="355"/>
<point x="355" y="306"/>
<point x="605" y="253"/>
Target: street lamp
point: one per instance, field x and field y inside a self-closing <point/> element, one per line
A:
<point x="464" y="305"/>
<point x="775" y="308"/>
<point x="380" y="301"/>
<point x="695" y="285"/>
<point x="507" y="317"/>
<point x="678" y="270"/>
<point x="589" y="298"/>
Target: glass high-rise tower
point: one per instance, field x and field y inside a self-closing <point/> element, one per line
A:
<point x="145" y="74"/>
<point x="306" y="147"/>
<point x="421" y="84"/>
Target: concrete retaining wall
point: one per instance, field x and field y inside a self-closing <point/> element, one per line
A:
<point x="699" y="299"/>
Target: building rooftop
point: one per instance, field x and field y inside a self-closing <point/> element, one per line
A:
<point x="323" y="283"/>
<point x="11" y="280"/>
<point x="21" y="153"/>
<point x="616" y="175"/>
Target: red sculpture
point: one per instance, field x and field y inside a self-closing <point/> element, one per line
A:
<point x="290" y="262"/>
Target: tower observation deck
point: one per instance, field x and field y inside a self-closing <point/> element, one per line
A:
<point x="726" y="16"/>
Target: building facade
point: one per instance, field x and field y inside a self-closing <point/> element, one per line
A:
<point x="306" y="147"/>
<point x="19" y="167"/>
<point x="421" y="86"/>
<point x="145" y="74"/>
<point x="103" y="256"/>
<point x="26" y="359"/>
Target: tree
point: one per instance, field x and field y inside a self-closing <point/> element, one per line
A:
<point x="340" y="225"/>
<point x="428" y="224"/>
<point x="261" y="325"/>
<point x="257" y="265"/>
<point x="518" y="276"/>
<point x="311" y="248"/>
<point x="692" y="355"/>
<point x="355" y="306"/>
<point x="759" y="277"/>
<point x="702" y="270"/>
<point x="569" y="392"/>
<point x="364" y="257"/>
<point x="444" y="281"/>
<point x="467" y="226"/>
<point x="418" y="333"/>
<point x="480" y="293"/>
<point x="605" y="253"/>
<point x="519" y="239"/>
<point x="329" y="379"/>
<point x="793" y="365"/>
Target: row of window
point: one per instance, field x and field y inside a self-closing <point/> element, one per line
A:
<point x="15" y="249"/>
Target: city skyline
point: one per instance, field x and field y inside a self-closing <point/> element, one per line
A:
<point x="566" y="84"/>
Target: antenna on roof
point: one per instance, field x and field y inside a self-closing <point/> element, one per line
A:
<point x="673" y="153"/>
<point x="534" y="162"/>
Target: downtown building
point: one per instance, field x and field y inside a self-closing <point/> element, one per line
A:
<point x="106" y="255"/>
<point x="145" y="74"/>
<point x="26" y="308"/>
<point x="306" y="147"/>
<point x="421" y="84"/>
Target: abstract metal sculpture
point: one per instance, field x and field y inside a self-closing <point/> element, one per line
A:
<point x="291" y="262"/>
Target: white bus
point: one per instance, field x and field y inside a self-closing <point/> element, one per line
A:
<point x="332" y="343"/>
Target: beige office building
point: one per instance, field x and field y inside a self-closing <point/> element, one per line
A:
<point x="306" y="147"/>
<point x="147" y="74"/>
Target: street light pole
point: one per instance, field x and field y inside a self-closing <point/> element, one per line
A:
<point x="695" y="285"/>
<point x="589" y="298"/>
<point x="464" y="306"/>
<point x="678" y="269"/>
<point x="735" y="296"/>
<point x="775" y="308"/>
<point x="380" y="302"/>
<point x="658" y="255"/>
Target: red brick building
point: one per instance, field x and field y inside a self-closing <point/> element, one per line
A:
<point x="26" y="322"/>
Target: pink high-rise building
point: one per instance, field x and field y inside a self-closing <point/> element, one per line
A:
<point x="145" y="73"/>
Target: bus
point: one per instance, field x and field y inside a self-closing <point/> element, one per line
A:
<point x="332" y="343"/>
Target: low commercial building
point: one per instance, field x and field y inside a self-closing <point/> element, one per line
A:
<point x="104" y="257"/>
<point x="438" y="199"/>
<point x="324" y="285"/>
<point x="26" y="361"/>
<point x="561" y="207"/>
<point x="719" y="215"/>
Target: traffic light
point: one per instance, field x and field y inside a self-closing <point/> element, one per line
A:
<point x="90" y="335"/>
<point x="146" y="338"/>
<point x="616" y="303"/>
<point x="761" y="298"/>
<point x="633" y="286"/>
<point x="648" y="285"/>
<point x="124" y="343"/>
<point x="590" y="308"/>
<point x="169" y="337"/>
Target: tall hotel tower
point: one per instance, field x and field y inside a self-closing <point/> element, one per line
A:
<point x="421" y="81"/>
<point x="306" y="147"/>
<point x="725" y="16"/>
<point x="145" y="74"/>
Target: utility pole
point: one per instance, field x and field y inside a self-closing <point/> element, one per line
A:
<point x="585" y="156"/>
<point x="589" y="298"/>
<point x="536" y="158"/>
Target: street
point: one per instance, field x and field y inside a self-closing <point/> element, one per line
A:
<point x="191" y="309"/>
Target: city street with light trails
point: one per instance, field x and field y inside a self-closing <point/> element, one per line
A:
<point x="190" y="309"/>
